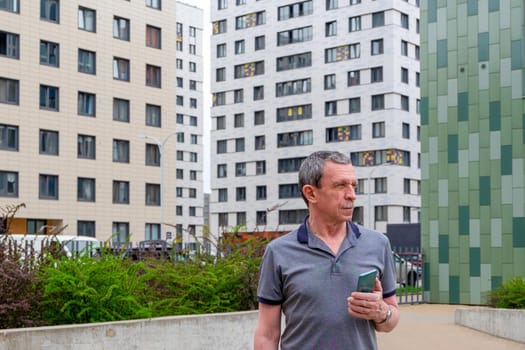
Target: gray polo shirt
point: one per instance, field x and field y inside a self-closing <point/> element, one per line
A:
<point x="300" y="273"/>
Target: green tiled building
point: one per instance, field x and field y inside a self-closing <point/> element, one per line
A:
<point x="473" y="146"/>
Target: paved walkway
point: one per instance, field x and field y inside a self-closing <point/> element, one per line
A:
<point x="432" y="327"/>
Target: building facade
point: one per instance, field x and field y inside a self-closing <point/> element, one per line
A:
<point x="473" y="147"/>
<point x="87" y="88"/>
<point x="292" y="77"/>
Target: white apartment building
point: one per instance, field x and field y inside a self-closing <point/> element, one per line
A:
<point x="88" y="92"/>
<point x="292" y="77"/>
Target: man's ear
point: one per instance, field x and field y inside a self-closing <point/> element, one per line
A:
<point x="309" y="193"/>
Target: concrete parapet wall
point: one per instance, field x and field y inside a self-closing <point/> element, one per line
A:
<point x="504" y="323"/>
<point x="228" y="331"/>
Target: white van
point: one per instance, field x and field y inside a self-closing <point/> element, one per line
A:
<point x="71" y="245"/>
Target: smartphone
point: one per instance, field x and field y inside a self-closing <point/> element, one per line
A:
<point x="366" y="281"/>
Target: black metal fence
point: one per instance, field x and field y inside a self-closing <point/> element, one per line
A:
<point x="409" y="274"/>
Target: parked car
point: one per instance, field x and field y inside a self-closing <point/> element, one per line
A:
<point x="407" y="273"/>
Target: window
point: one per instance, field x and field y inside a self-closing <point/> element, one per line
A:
<point x="193" y="85"/>
<point x="294" y="87"/>
<point x="404" y="75"/>
<point x="87" y="19"/>
<point x="406" y="186"/>
<point x="48" y="186"/>
<point x="10" y="5"/>
<point x="8" y="184"/>
<point x="343" y="133"/>
<point x="417" y="26"/>
<point x="406" y="214"/>
<point x="9" y="91"/>
<point x="250" y="20"/>
<point x="87" y="61"/>
<point x="292" y="216"/>
<point x="179" y="44"/>
<point x="378" y="129"/>
<point x="292" y="36"/>
<point x="192" y="193"/>
<point x="238" y="96"/>
<point x="405" y="103"/>
<point x="8" y="137"/>
<point x="222" y="170"/>
<point x="405" y="130"/>
<point x="354" y="105"/>
<point x="86" y="104"/>
<point x="330" y="28"/>
<point x="342" y="53"/>
<point x="258" y="118"/>
<point x="121" y="110"/>
<point x="120" y="234"/>
<point x="240" y="194"/>
<point x="249" y="69"/>
<point x="404" y="48"/>
<point x="378" y="19"/>
<point x="120" y="151"/>
<point x="155" y="4"/>
<point x="222" y="4"/>
<point x="258" y="93"/>
<point x="193" y="49"/>
<point x="121" y="28"/>
<point x="180" y="155"/>
<point x="193" y="175"/>
<point x="239" y="47"/>
<point x="220" y="74"/>
<point x="85" y="189"/>
<point x="219" y="27"/>
<point x="354" y="78"/>
<point x="49" y="97"/>
<point x="376" y="47"/>
<point x="223" y="219"/>
<point x="417" y="79"/>
<point x="240" y="169"/>
<point x="220" y="122"/>
<point x="152" y="154"/>
<point x="404" y="20"/>
<point x="178" y="210"/>
<point x="260" y="167"/>
<point x="378" y="102"/>
<point x="355" y="2"/>
<point x="153" y="37"/>
<point x="49" y="10"/>
<point x="86" y="146"/>
<point x="380" y="185"/>
<point x="260" y="42"/>
<point x="297" y="9"/>
<point x="330" y="108"/>
<point x="240" y="2"/>
<point x="331" y="4"/>
<point x="179" y="100"/>
<point x="290" y="165"/>
<point x="239" y="144"/>
<point x="294" y="61"/>
<point x="48" y="142"/>
<point x="238" y="120"/>
<point x="223" y="195"/>
<point x="152" y="232"/>
<point x="329" y="81"/>
<point x="179" y="63"/>
<point x="295" y="138"/>
<point x="294" y="113"/>
<point x="416" y="52"/>
<point x="354" y="24"/>
<point x="153" y="194"/>
<point x="192" y="211"/>
<point x="289" y="191"/>
<point x="260" y="218"/>
<point x="381" y="213"/>
<point x="48" y="53"/>
<point x="153" y="75"/>
<point x="241" y="218"/>
<point x="221" y="50"/>
<point x="35" y="226"/>
<point x="222" y="146"/>
<point x="260" y="192"/>
<point x="86" y="228"/>
<point x="376" y="74"/>
<point x="9" y="45"/>
<point x="260" y="142"/>
<point x="180" y="137"/>
<point x="120" y="69"/>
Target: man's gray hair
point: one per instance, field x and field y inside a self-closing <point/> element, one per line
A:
<point x="311" y="169"/>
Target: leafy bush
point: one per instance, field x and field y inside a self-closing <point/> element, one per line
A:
<point x="510" y="295"/>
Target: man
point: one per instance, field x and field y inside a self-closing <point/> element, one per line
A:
<point x="310" y="275"/>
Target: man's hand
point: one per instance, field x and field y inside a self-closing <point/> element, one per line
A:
<point x="368" y="306"/>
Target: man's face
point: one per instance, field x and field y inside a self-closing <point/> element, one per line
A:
<point x="335" y="195"/>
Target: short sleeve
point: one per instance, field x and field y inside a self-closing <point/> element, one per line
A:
<point x="270" y="288"/>
<point x="388" y="280"/>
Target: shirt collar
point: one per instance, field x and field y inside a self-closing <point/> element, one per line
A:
<point x="302" y="233"/>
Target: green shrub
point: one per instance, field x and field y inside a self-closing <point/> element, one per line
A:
<point x="510" y="295"/>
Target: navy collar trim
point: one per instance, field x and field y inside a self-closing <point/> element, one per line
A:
<point x="302" y="232"/>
